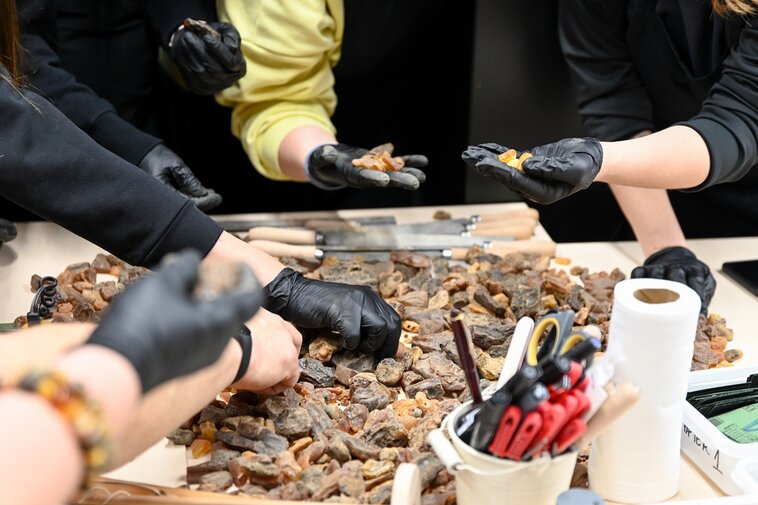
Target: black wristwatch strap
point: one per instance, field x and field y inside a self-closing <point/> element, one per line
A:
<point x="245" y="339"/>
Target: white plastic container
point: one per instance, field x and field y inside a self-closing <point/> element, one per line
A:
<point x="729" y="464"/>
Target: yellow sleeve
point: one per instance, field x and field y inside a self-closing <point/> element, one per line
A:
<point x="290" y="47"/>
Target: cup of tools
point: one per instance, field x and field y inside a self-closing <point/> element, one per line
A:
<point x="482" y="479"/>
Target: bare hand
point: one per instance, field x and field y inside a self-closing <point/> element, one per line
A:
<point x="274" y="360"/>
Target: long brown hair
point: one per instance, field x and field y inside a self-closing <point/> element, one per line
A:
<point x="735" y="7"/>
<point x="9" y="38"/>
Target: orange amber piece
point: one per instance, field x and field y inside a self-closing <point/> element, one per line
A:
<point x="507" y="156"/>
<point x="522" y="158"/>
<point x="208" y="431"/>
<point x="200" y="448"/>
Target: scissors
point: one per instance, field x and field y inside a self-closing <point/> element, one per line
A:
<point x="559" y="340"/>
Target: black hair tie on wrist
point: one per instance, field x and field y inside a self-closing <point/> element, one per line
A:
<point x="245" y="339"/>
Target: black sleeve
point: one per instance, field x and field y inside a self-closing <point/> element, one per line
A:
<point x="611" y="97"/>
<point x="52" y="168"/>
<point x="44" y="72"/>
<point x="728" y="122"/>
<point x="166" y="16"/>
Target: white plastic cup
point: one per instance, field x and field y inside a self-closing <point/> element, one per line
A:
<point x="481" y="479"/>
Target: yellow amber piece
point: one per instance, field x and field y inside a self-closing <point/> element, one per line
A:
<point x="200" y="448"/>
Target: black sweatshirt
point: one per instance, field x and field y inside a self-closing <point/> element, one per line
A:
<point x="625" y="83"/>
<point x="45" y="74"/>
<point x="52" y="168"/>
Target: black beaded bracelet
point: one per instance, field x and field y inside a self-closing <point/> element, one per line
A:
<point x="245" y="339"/>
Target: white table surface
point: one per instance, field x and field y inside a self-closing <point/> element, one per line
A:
<point x="46" y="249"/>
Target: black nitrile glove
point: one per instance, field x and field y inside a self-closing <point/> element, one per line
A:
<point x="681" y="265"/>
<point x="166" y="166"/>
<point x="554" y="171"/>
<point x="164" y="331"/>
<point x="7" y="231"/>
<point x="330" y="166"/>
<point x="208" y="64"/>
<point x="363" y="320"/>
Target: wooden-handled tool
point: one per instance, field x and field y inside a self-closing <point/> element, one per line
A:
<point x="519" y="229"/>
<point x="511" y="214"/>
<point x="311" y="252"/>
<point x="533" y="246"/>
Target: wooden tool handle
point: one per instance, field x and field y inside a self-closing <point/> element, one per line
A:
<point x="406" y="488"/>
<point x="511" y="214"/>
<point x="282" y="235"/>
<point x="331" y="224"/>
<point x="278" y="249"/>
<point x="620" y="400"/>
<point x="543" y="247"/>
<point x="518" y="230"/>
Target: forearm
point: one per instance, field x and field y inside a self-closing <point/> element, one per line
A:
<point x="296" y="146"/>
<point x="36" y="426"/>
<point x="229" y="247"/>
<point x="651" y="216"/>
<point x="169" y="405"/>
<point x="674" y="158"/>
<point x="38" y="346"/>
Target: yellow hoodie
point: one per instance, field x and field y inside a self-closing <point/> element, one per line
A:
<point x="290" y="47"/>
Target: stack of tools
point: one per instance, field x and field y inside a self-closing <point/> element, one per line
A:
<point x="545" y="406"/>
<point x="500" y="234"/>
<point x="552" y="398"/>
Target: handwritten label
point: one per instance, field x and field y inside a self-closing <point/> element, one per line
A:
<point x="699" y="442"/>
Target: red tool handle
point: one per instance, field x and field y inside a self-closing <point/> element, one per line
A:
<point x="505" y="431"/>
<point x="524" y="435"/>
<point x="553" y="419"/>
<point x="568" y="435"/>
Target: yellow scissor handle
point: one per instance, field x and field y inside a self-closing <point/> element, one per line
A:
<point x="539" y="330"/>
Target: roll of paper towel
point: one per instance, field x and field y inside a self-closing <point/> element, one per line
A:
<point x="651" y="339"/>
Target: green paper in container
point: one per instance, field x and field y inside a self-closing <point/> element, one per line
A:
<point x="740" y="425"/>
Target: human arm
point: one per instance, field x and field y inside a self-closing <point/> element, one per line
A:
<point x="154" y="332"/>
<point x="208" y="62"/>
<point x="358" y="314"/>
<point x="36" y="425"/>
<point x="720" y="144"/>
<point x="292" y="48"/>
<point x="52" y="168"/>
<point x="97" y="117"/>
<point x="273" y="367"/>
<point x="663" y="244"/>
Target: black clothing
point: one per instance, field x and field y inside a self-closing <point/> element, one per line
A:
<point x="636" y="66"/>
<point x="80" y="104"/>
<point x="421" y="113"/>
<point x="113" y="48"/>
<point x="55" y="170"/>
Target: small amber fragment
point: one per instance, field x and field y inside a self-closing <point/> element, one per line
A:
<point x="508" y="156"/>
<point x="560" y="260"/>
<point x="513" y="160"/>
<point x="200" y="448"/>
<point x="380" y="158"/>
<point x="410" y="326"/>
<point x="524" y="156"/>
<point x="208" y="431"/>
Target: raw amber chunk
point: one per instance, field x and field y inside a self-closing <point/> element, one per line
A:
<point x="511" y="158"/>
<point x="507" y="156"/>
<point x="200" y="448"/>
<point x="380" y="158"/>
<point x="208" y="431"/>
